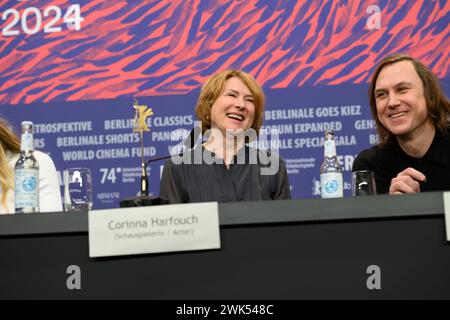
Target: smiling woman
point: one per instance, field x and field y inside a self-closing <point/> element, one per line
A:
<point x="235" y="88"/>
<point x="230" y="108"/>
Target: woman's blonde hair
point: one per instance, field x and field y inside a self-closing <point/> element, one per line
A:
<point x="8" y="142"/>
<point x="214" y="86"/>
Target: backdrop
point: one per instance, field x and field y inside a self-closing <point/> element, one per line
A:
<point x="74" y="68"/>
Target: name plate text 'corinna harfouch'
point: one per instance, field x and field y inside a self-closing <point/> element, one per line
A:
<point x="154" y="229"/>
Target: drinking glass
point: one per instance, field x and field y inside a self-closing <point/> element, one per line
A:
<point x="77" y="189"/>
<point x="363" y="183"/>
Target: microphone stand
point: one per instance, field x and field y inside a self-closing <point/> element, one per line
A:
<point x="144" y="177"/>
<point x="144" y="199"/>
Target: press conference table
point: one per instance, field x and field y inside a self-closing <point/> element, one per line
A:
<point x="297" y="249"/>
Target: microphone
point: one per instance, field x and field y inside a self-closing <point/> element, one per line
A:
<point x="188" y="143"/>
<point x="144" y="176"/>
<point x="144" y="199"/>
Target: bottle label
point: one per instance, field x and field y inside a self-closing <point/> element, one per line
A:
<point x="26" y="188"/>
<point x="330" y="148"/>
<point x="331" y="185"/>
<point x="26" y="142"/>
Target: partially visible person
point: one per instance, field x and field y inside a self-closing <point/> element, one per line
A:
<point x="412" y="116"/>
<point x="224" y="168"/>
<point x="49" y="191"/>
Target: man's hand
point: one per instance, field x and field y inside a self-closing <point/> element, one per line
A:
<point x="407" y="181"/>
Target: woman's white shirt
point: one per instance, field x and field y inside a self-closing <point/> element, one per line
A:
<point x="49" y="190"/>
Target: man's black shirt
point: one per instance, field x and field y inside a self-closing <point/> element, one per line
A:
<point x="388" y="162"/>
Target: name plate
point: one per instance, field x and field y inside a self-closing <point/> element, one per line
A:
<point x="447" y="213"/>
<point x="154" y="229"/>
